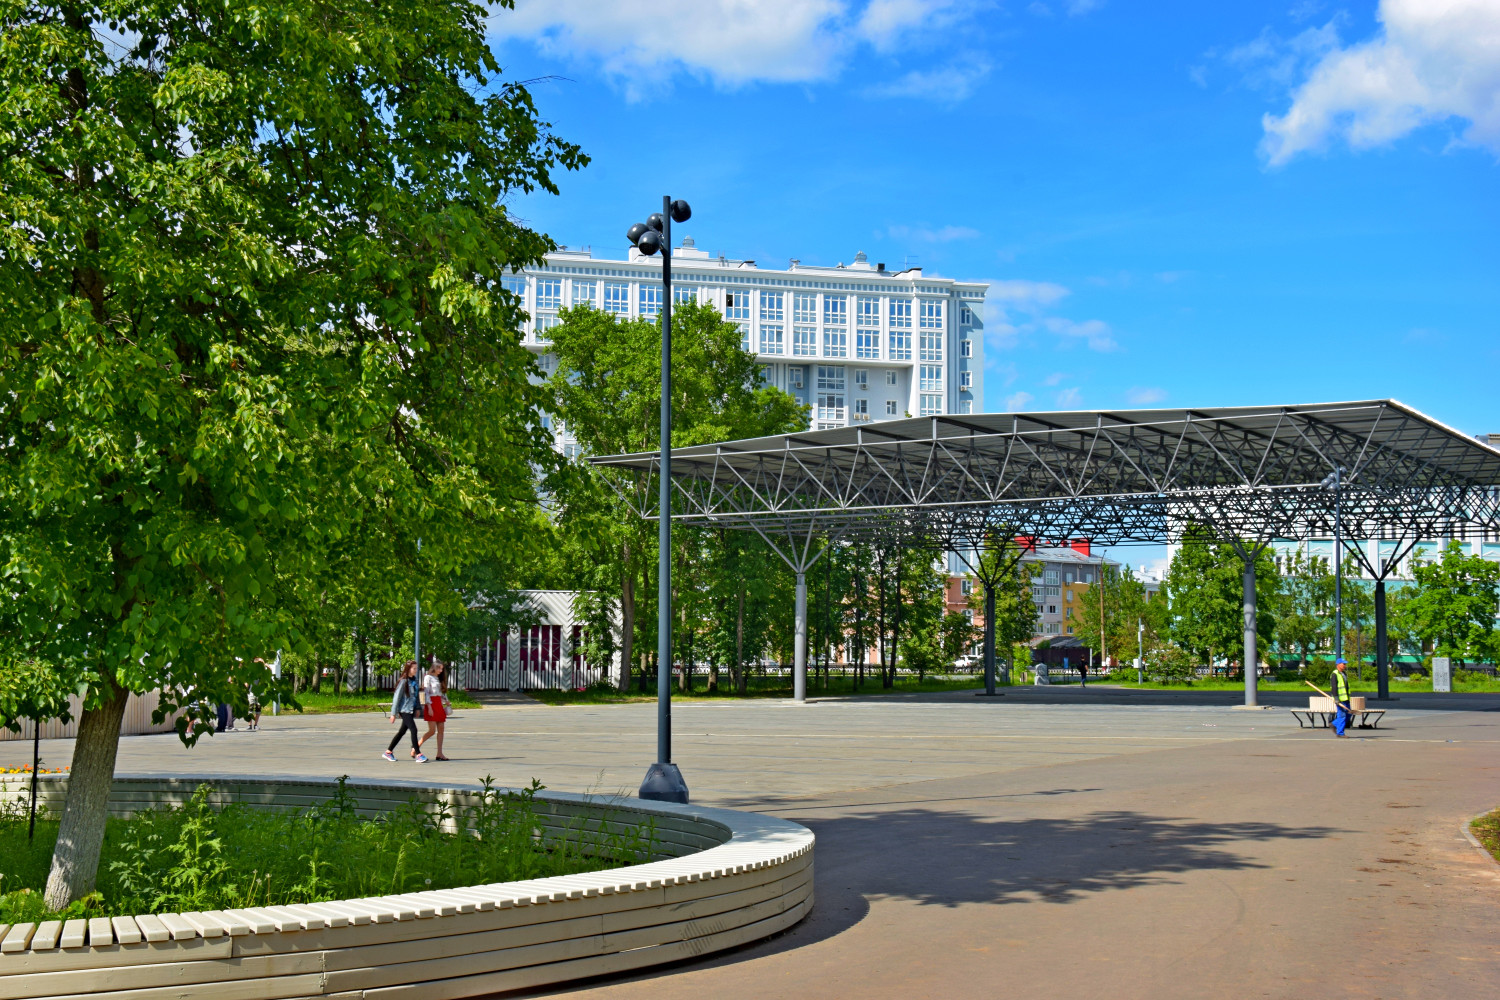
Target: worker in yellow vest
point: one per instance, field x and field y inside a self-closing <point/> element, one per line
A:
<point x="1340" y="697"/>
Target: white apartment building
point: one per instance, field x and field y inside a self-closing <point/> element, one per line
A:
<point x="854" y="342"/>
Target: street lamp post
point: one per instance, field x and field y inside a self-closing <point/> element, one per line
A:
<point x="663" y="780"/>
<point x="1335" y="481"/>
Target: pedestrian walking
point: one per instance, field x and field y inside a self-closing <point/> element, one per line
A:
<point x="226" y="718"/>
<point x="1341" y="697"/>
<point x="1083" y="673"/>
<point x="435" y="707"/>
<point x="254" y="717"/>
<point x="404" y="703"/>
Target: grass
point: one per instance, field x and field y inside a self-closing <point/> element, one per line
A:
<point x="1467" y="683"/>
<point x="328" y="702"/>
<point x="761" y="687"/>
<point x="1486" y="830"/>
<point x="193" y="857"/>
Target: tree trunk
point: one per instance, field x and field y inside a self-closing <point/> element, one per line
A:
<point x="627" y="617"/>
<point x="75" y="860"/>
<point x="738" y="677"/>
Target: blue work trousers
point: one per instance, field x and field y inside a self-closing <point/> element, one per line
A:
<point x="1341" y="719"/>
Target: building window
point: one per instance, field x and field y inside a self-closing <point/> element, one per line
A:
<point x="931" y="324"/>
<point x="765" y="374"/>
<point x="966" y="379"/>
<point x="617" y="298"/>
<point x="866" y="343"/>
<point x="1086" y="576"/>
<point x="835" y="310"/>
<point x="966" y="348"/>
<point x="804" y="308"/>
<point x="835" y="342"/>
<point x="862" y="407"/>
<point x="890" y="407"/>
<point x="770" y="338"/>
<point x="549" y="293"/>
<point x="795" y="374"/>
<point x="1068" y="594"/>
<point x="932" y="405"/>
<point x="683" y="295"/>
<point x="1070" y="630"/>
<point x="967" y="406"/>
<point x="516" y="285"/>
<point x="900" y="347"/>
<point x="932" y="378"/>
<point x="862" y="378"/>
<point x="1049" y="576"/>
<point x="745" y="337"/>
<point x="868" y="312"/>
<point x="830" y="393"/>
<point x="890" y="378"/>
<point x="1052" y="609"/>
<point x="650" y="301"/>
<point x="586" y="293"/>
<point x="805" y="341"/>
<point x="770" y="307"/>
<point x="737" y="306"/>
<point x="546" y="322"/>
<point x="1068" y="577"/>
<point x="966" y="586"/>
<point x="965" y="315"/>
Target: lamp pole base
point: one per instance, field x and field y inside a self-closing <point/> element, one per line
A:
<point x="664" y="784"/>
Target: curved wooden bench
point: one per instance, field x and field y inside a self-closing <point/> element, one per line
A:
<point x="723" y="878"/>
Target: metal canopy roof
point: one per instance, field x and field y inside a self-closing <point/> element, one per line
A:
<point x="1113" y="476"/>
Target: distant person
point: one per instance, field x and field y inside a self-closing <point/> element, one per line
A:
<point x="254" y="706"/>
<point x="1340" y="681"/>
<point x="1083" y="674"/>
<point x="226" y="719"/>
<point x="435" y="707"/>
<point x="404" y="704"/>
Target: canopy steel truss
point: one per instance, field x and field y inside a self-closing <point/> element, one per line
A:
<point x="1247" y="474"/>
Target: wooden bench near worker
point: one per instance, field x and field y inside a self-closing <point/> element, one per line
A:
<point x="1320" y="712"/>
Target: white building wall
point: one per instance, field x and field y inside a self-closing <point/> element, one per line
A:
<point x="922" y="349"/>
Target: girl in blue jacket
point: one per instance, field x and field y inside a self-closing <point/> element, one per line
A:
<point x="404" y="703"/>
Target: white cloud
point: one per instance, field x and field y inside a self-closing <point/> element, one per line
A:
<point x="1069" y="399"/>
<point x="1054" y="379"/>
<point x="1144" y="396"/>
<point x="1093" y="332"/>
<point x="949" y="83"/>
<point x="642" y="44"/>
<point x="1431" y="61"/>
<point x="1017" y="401"/>
<point x="1026" y="293"/>
<point x="885" y="24"/>
<point x="928" y="234"/>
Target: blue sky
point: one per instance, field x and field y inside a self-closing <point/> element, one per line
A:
<point x="1182" y="203"/>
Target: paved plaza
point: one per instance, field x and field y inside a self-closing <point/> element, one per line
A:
<point x="1053" y="843"/>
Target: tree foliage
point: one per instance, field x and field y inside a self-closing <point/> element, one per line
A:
<point x="1454" y="603"/>
<point x="252" y="343"/>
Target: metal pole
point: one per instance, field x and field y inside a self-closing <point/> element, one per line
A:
<point x="664" y="509"/>
<point x="1252" y="654"/>
<point x="1382" y="666"/>
<point x="1140" y="651"/>
<point x="1338" y="566"/>
<point x="799" y="641"/>
<point x="36" y="765"/>
<point x="989" y="638"/>
<point x="663" y="779"/>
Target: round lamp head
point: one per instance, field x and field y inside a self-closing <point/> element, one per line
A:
<point x="634" y="233"/>
<point x="655" y="221"/>
<point x="649" y="243"/>
<point x="680" y="211"/>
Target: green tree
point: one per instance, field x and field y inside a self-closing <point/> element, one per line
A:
<point x="252" y="341"/>
<point x="1015" y="609"/>
<point x="1112" y="605"/>
<point x="1453" y="605"/>
<point x="607" y="391"/>
<point x="1205" y="597"/>
<point x="1303" y="618"/>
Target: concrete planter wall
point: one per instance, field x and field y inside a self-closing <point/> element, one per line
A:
<point x="723" y="879"/>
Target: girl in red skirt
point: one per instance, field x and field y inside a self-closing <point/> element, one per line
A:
<point x="435" y="707"/>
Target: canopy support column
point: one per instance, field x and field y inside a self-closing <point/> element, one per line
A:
<point x="799" y="641"/>
<point x="989" y="639"/>
<point x="1252" y="653"/>
<point x="1382" y="665"/>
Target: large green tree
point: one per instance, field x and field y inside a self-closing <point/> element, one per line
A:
<point x="1453" y="605"/>
<point x="607" y="390"/>
<point x="252" y="342"/>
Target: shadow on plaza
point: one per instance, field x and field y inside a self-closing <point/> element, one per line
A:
<point x="937" y="857"/>
<point x="1103" y="694"/>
